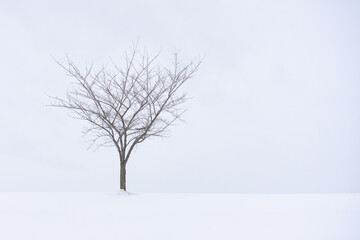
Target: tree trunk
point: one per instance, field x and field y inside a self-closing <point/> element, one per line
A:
<point x="123" y="176"/>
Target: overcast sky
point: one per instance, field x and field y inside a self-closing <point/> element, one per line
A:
<point x="275" y="105"/>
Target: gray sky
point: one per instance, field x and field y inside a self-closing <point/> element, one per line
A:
<point x="275" y="105"/>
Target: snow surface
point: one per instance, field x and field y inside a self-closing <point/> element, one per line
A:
<point x="106" y="216"/>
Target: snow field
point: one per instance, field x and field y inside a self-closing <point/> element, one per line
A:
<point x="89" y="216"/>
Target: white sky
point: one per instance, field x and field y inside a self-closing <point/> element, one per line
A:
<point x="275" y="105"/>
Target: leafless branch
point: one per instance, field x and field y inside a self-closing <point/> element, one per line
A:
<point x="125" y="106"/>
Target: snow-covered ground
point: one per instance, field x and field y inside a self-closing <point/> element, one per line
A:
<point x="105" y="216"/>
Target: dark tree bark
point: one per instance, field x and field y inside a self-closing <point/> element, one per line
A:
<point x="124" y="106"/>
<point x="123" y="176"/>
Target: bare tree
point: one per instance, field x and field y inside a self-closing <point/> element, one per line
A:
<point x="125" y="106"/>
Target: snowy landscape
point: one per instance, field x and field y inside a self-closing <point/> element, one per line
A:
<point x="43" y="216"/>
<point x="232" y="119"/>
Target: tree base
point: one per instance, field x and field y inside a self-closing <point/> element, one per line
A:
<point x="122" y="192"/>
